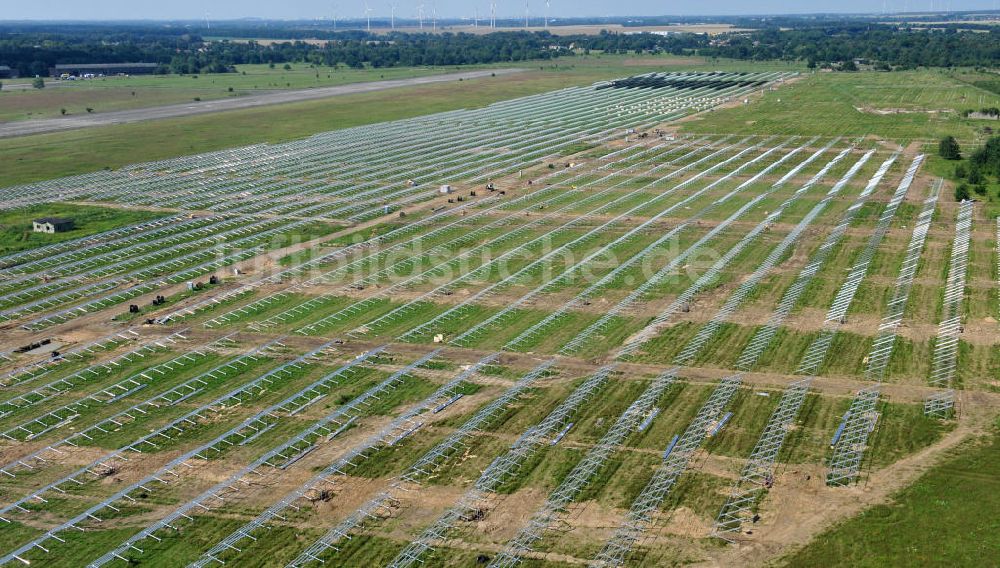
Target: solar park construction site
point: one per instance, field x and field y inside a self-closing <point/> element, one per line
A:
<point x="557" y="330"/>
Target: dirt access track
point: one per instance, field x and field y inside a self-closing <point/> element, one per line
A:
<point x="29" y="127"/>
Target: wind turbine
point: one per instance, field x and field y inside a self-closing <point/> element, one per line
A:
<point x="420" y="15"/>
<point x="548" y="7"/>
<point x="434" y="11"/>
<point x="208" y="24"/>
<point x="393" y="8"/>
<point x="334" y="10"/>
<point x="368" y="15"/>
<point x="526" y="14"/>
<point x="493" y="15"/>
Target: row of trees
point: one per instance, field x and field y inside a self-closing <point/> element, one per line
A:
<point x="408" y="50"/>
<point x="178" y="51"/>
<point x="887" y="45"/>
<point x="35" y="54"/>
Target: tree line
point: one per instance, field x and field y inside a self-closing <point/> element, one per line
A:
<point x="882" y="45"/>
<point x="180" y="50"/>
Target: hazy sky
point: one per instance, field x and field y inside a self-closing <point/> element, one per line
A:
<point x="295" y="9"/>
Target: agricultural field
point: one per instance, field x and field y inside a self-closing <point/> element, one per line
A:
<point x="646" y="322"/>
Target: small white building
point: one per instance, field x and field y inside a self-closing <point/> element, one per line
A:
<point x="52" y="225"/>
<point x="446" y="189"/>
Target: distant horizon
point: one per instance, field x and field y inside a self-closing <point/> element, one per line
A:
<point x="354" y="10"/>
<point x="555" y="20"/>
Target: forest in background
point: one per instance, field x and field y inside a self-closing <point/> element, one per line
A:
<point x="33" y="48"/>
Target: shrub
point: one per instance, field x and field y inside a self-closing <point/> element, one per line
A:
<point x="962" y="192"/>
<point x="975" y="175"/>
<point x="949" y="149"/>
<point x="987" y="158"/>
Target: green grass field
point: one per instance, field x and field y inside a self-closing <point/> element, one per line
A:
<point x="947" y="518"/>
<point x="16" y="231"/>
<point x="899" y="107"/>
<point x="122" y="93"/>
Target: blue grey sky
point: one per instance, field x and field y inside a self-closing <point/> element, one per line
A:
<point x="307" y="9"/>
